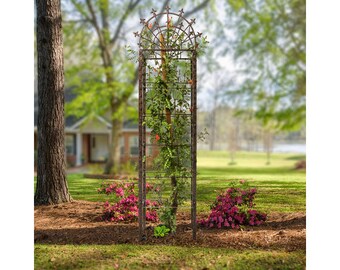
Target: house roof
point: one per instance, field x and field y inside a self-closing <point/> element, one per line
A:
<point x="72" y="121"/>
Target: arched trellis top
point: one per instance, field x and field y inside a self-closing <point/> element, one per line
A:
<point x="167" y="31"/>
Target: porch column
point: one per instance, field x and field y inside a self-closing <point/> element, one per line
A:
<point x="79" y="148"/>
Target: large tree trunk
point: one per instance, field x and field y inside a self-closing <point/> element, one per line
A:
<point x="51" y="181"/>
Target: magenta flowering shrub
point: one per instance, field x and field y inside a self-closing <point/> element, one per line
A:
<point x="125" y="205"/>
<point x="233" y="208"/>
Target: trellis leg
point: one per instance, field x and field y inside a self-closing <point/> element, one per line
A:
<point x="140" y="146"/>
<point x="193" y="143"/>
<point x="144" y="150"/>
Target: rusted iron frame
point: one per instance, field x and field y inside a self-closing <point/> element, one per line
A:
<point x="144" y="148"/>
<point x="142" y="134"/>
<point x="180" y="16"/>
<point x="187" y="38"/>
<point x="194" y="143"/>
<point x="140" y="145"/>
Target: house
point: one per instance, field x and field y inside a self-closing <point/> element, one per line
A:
<point x="87" y="139"/>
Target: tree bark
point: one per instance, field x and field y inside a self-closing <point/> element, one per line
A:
<point x="51" y="181"/>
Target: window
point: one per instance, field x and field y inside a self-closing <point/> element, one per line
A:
<point x="133" y="143"/>
<point x="121" y="144"/>
<point x="70" y="144"/>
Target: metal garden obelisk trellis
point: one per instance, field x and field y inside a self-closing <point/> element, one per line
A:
<point x="168" y="36"/>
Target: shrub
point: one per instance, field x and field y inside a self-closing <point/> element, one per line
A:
<point x="125" y="205"/>
<point x="161" y="231"/>
<point x="233" y="208"/>
<point x="300" y="165"/>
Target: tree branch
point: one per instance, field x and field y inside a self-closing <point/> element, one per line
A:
<point x="95" y="23"/>
<point x="80" y="9"/>
<point x="197" y="8"/>
<point x="76" y="21"/>
<point x="131" y="6"/>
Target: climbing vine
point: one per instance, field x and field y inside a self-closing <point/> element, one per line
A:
<point x="168" y="105"/>
<point x="167" y="70"/>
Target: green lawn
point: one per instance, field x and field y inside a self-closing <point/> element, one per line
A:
<point x="162" y="257"/>
<point x="280" y="189"/>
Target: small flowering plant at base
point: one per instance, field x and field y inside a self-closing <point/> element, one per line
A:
<point x="234" y="208"/>
<point x="161" y="231"/>
<point x="125" y="203"/>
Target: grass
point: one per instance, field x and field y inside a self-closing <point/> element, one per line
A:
<point x="162" y="257"/>
<point x="280" y="189"/>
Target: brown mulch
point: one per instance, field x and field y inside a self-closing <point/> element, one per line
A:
<point x="79" y="222"/>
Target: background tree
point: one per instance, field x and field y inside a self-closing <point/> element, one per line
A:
<point x="268" y="42"/>
<point x="268" y="143"/>
<point x="51" y="182"/>
<point x="102" y="26"/>
<point x="233" y="139"/>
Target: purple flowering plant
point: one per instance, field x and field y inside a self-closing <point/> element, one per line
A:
<point x="234" y="208"/>
<point x="125" y="203"/>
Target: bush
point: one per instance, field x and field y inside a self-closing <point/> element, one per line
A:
<point x="233" y="208"/>
<point x="300" y="165"/>
<point x="125" y="205"/>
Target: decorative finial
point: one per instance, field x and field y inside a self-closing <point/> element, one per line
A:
<point x="136" y="34"/>
<point x="192" y="21"/>
<point x="199" y="34"/>
<point x="167" y="8"/>
<point x="153" y="12"/>
<point x="181" y="11"/>
<point x="142" y="21"/>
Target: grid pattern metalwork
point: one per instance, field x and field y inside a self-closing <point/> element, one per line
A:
<point x="150" y="49"/>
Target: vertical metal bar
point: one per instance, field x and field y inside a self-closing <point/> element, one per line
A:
<point x="143" y="149"/>
<point x="140" y="149"/>
<point x="193" y="142"/>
